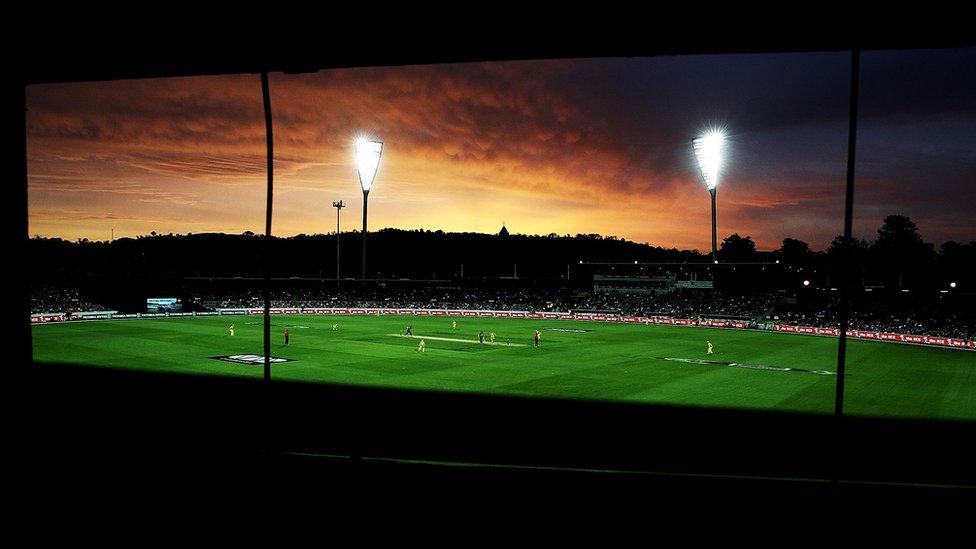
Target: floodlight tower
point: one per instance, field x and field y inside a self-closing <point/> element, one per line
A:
<point x="709" y="149"/>
<point x="367" y="162"/>
<point x="338" y="206"/>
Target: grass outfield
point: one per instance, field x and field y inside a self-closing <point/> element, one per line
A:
<point x="626" y="362"/>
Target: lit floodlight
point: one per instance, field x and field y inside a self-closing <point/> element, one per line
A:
<point x="806" y="282"/>
<point x="367" y="161"/>
<point x="709" y="149"/>
<point x="952" y="284"/>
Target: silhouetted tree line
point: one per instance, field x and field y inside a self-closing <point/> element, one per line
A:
<point x="391" y="253"/>
<point x="898" y="257"/>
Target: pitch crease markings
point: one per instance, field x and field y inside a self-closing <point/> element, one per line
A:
<point x="748" y="366"/>
<point x="457" y="340"/>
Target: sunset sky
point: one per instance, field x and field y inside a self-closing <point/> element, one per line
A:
<point x="566" y="146"/>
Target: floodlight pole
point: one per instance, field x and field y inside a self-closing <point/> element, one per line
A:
<point x="365" y="197"/>
<point x="714" y="240"/>
<point x="338" y="206"/>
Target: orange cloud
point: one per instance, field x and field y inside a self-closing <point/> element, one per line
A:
<point x="467" y="147"/>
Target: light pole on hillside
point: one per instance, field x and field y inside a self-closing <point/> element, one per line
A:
<point x="338" y="206"/>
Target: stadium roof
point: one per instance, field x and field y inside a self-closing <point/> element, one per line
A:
<point x="86" y="48"/>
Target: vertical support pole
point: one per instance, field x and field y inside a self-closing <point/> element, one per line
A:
<point x="267" y="227"/>
<point x="844" y="309"/>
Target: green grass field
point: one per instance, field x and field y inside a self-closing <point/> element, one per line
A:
<point x="623" y="362"/>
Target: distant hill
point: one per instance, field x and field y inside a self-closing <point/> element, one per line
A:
<point x="391" y="253"/>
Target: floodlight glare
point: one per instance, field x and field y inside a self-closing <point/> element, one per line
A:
<point x="952" y="284"/>
<point x="367" y="161"/>
<point x="806" y="282"/>
<point x="709" y="149"/>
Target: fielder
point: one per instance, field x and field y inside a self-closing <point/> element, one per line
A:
<point x="422" y="348"/>
<point x="231" y="330"/>
<point x="709" y="343"/>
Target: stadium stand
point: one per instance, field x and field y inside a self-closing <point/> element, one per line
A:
<point x="942" y="316"/>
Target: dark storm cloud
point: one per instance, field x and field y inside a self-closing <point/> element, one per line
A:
<point x="919" y="83"/>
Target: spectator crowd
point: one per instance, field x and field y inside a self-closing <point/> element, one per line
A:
<point x="943" y="317"/>
<point x="60" y="299"/>
<point x="946" y="316"/>
<point x="673" y="304"/>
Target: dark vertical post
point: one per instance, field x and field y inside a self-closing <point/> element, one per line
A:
<point x="844" y="309"/>
<point x="267" y="226"/>
<point x="714" y="240"/>
<point x="365" y="196"/>
<point x="16" y="224"/>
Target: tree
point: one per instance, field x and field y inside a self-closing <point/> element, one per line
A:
<point x="898" y="231"/>
<point x="899" y="253"/>
<point x="795" y="251"/>
<point x="847" y="248"/>
<point x="737" y="248"/>
<point x="846" y="259"/>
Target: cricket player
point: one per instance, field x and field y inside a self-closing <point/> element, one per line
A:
<point x="422" y="348"/>
<point x="709" y="343"/>
<point x="481" y="336"/>
<point x="335" y="327"/>
<point x="231" y="330"/>
<point x="454" y="324"/>
<point x="491" y="337"/>
<point x="286" y="337"/>
<point x="409" y="331"/>
<point x="537" y="336"/>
